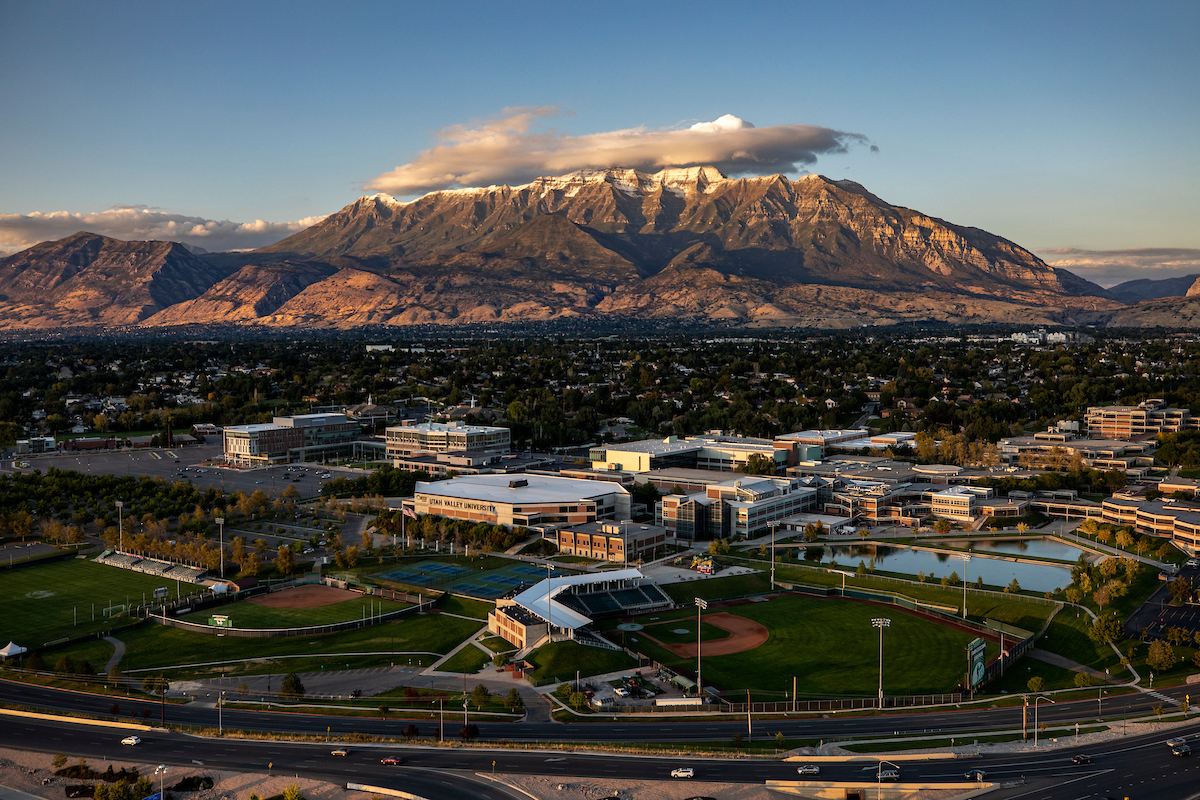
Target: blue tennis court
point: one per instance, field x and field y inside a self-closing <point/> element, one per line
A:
<point x="460" y="580"/>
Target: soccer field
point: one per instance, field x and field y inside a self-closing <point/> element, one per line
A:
<point x="830" y="647"/>
<point x="47" y="602"/>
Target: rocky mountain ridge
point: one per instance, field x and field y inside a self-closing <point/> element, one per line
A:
<point x="684" y="244"/>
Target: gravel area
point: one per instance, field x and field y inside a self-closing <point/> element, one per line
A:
<point x="34" y="773"/>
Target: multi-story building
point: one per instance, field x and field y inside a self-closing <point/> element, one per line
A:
<point x="822" y="441"/>
<point x="738" y="507"/>
<point x="715" y="451"/>
<point x="522" y="500"/>
<point x="446" y="437"/>
<point x="1148" y="417"/>
<point x="1166" y="519"/>
<point x="286" y="439"/>
<point x="1061" y="450"/>
<point x="620" y="542"/>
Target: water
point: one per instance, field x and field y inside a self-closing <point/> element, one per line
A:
<point x="1029" y="548"/>
<point x="995" y="572"/>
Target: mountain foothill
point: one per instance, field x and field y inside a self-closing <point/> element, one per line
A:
<point x="681" y="244"/>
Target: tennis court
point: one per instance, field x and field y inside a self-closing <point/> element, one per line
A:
<point x="483" y="584"/>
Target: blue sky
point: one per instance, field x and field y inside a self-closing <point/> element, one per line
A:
<point x="1056" y="125"/>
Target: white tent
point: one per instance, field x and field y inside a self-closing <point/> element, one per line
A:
<point x="12" y="649"/>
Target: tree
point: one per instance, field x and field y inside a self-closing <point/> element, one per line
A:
<point x="577" y="700"/>
<point x="469" y="732"/>
<point x="942" y="526"/>
<point x="1013" y="587"/>
<point x="291" y="688"/>
<point x="513" y="701"/>
<point x="291" y="492"/>
<point x="1181" y="589"/>
<point x="285" y="560"/>
<point x="292" y="792"/>
<point x="758" y="464"/>
<point x="1161" y="656"/>
<point x="1073" y="594"/>
<point x="411" y="731"/>
<point x="1083" y="680"/>
<point x="500" y="659"/>
<point x="1036" y="684"/>
<point x="480" y="695"/>
<point x="1105" y="629"/>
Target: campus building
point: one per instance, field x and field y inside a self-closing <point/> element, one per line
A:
<point x="446" y="437"/>
<point x="816" y="444"/>
<point x="562" y="608"/>
<point x="621" y="543"/>
<point x="302" y="437"/>
<point x="1167" y="519"/>
<point x="522" y="500"/>
<point x="1151" y="417"/>
<point x="1060" y="449"/>
<point x="743" y="507"/>
<point x="715" y="451"/>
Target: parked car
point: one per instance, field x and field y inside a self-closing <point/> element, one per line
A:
<point x="683" y="772"/>
<point x="809" y="769"/>
<point x="1081" y="759"/>
<point x="131" y="740"/>
<point x="339" y="752"/>
<point x="621" y="691"/>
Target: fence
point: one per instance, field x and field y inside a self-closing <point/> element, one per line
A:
<point x="281" y="633"/>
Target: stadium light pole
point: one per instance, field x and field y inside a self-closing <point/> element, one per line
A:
<point x="966" y="558"/>
<point x="701" y="604"/>
<point x="772" y="525"/>
<point x="161" y="770"/>
<point x="221" y="527"/>
<point x="120" y="526"/>
<point x="881" y="623"/>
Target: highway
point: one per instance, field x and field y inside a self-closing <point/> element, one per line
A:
<point x="1134" y="766"/>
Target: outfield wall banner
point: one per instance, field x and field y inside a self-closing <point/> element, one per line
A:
<point x="975" y="657"/>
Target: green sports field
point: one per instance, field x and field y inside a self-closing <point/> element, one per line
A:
<point x="47" y="602"/>
<point x="249" y="615"/>
<point x="831" y="648"/>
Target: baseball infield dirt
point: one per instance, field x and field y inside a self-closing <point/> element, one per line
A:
<point x="744" y="634"/>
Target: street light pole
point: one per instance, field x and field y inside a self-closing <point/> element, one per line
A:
<point x="881" y="623"/>
<point x="220" y="715"/>
<point x="701" y="603"/>
<point x="221" y="526"/>
<point x="120" y="526"/>
<point x="1037" y="700"/>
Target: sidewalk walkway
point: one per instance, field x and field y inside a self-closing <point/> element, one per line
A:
<point x="118" y="654"/>
<point x="1073" y="666"/>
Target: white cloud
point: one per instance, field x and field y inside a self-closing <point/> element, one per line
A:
<point x="507" y="150"/>
<point x="1110" y="267"/>
<point x="139" y="222"/>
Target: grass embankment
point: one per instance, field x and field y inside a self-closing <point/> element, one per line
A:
<point x="465" y="607"/>
<point x="469" y="660"/>
<point x="182" y="653"/>
<point x="46" y="602"/>
<point x="560" y="660"/>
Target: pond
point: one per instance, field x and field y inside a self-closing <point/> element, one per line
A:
<point x="1029" y="548"/>
<point x="994" y="571"/>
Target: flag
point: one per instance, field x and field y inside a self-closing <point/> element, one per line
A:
<point x="408" y="512"/>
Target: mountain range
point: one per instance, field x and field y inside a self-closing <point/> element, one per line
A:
<point x="682" y="244"/>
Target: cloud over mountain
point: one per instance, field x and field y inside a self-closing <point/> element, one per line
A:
<point x="20" y="231"/>
<point x="509" y="150"/>
<point x="1110" y="267"/>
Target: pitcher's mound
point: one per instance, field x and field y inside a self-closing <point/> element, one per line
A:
<point x="311" y="595"/>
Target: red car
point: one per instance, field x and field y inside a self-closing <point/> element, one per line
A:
<point x="389" y="760"/>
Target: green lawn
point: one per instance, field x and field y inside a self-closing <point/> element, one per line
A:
<point x="498" y="644"/>
<point x="560" y="660"/>
<point x="832" y="648"/>
<point x="171" y="649"/>
<point x="469" y="660"/>
<point x="465" y="607"/>
<point x="71" y="587"/>
<point x="249" y="615"/>
<point x="665" y="632"/>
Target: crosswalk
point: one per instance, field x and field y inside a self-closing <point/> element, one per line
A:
<point x="1164" y="698"/>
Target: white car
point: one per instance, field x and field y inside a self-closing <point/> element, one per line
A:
<point x="809" y="769"/>
<point x="621" y="691"/>
<point x="683" y="772"/>
<point x="131" y="740"/>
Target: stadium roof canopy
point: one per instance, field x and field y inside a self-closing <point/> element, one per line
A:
<point x="539" y="598"/>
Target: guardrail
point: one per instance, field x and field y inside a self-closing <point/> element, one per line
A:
<point x="281" y="633"/>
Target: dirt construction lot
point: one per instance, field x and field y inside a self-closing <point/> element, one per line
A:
<point x="744" y="634"/>
<point x="310" y="596"/>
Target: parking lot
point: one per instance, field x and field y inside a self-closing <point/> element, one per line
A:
<point x="186" y="463"/>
